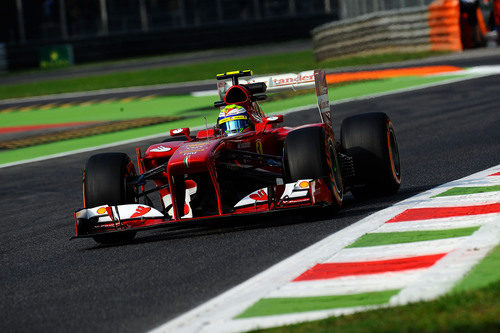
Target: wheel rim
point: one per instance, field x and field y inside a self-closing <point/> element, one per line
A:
<point x="394" y="154"/>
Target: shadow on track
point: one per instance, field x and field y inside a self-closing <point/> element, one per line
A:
<point x="351" y="207"/>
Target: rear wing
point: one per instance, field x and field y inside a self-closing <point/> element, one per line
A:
<point x="313" y="79"/>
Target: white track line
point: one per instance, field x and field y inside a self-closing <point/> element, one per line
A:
<point x="298" y="109"/>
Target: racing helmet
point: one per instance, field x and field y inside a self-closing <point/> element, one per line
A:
<point x="233" y="119"/>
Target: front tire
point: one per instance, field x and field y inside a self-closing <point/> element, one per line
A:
<point x="308" y="154"/>
<point x="105" y="183"/>
<point x="370" y="140"/>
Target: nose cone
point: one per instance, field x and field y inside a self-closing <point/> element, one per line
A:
<point x="192" y="157"/>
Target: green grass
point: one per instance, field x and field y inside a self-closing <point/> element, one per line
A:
<point x="485" y="273"/>
<point x="275" y="63"/>
<point x="471" y="311"/>
<point x="162" y="106"/>
<point x="168" y="106"/>
<point x="387" y="238"/>
<point x="277" y="306"/>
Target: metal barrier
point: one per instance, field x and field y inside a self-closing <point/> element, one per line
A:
<point x="434" y="27"/>
<point x="404" y="29"/>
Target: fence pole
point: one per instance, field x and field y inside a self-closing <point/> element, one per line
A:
<point x="144" y="15"/>
<point x="104" y="16"/>
<point x="256" y="9"/>
<point x="291" y="7"/>
<point x="364" y="7"/>
<point x="219" y="10"/>
<point x="182" y="12"/>
<point x="342" y="9"/>
<point x="328" y="7"/>
<point x="20" y="21"/>
<point x="62" y="19"/>
<point x="355" y="9"/>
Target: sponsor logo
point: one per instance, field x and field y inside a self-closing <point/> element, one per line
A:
<point x="225" y="120"/>
<point x="304" y="184"/>
<point x="294" y="80"/>
<point x="186" y="161"/>
<point x="140" y="211"/>
<point x="274" y="118"/>
<point x="101" y="210"/>
<point x="161" y="149"/>
<point x="193" y="148"/>
<point x="261" y="195"/>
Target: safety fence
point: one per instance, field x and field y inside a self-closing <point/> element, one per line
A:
<point x="434" y="27"/>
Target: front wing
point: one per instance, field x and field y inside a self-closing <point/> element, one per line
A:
<point x="136" y="217"/>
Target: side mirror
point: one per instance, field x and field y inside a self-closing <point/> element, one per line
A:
<point x="273" y="119"/>
<point x="181" y="131"/>
<point x="267" y="122"/>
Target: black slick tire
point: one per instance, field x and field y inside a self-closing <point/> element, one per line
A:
<point x="309" y="155"/>
<point x="370" y="140"/>
<point x="105" y="183"/>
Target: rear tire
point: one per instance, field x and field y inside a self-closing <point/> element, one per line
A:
<point x="371" y="141"/>
<point x="105" y="183"/>
<point x="306" y="157"/>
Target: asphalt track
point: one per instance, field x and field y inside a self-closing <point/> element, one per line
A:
<point x="49" y="283"/>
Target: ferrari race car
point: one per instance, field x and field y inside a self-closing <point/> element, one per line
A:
<point x="246" y="164"/>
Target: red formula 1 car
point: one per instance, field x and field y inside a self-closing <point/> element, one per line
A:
<point x="246" y="164"/>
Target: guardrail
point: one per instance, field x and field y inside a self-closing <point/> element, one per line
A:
<point x="433" y="27"/>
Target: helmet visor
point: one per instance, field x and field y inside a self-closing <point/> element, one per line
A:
<point x="233" y="125"/>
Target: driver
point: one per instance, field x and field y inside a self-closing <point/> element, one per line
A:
<point x="233" y="119"/>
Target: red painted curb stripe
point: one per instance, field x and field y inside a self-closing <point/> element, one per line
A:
<point x="443" y="212"/>
<point x="495" y="174"/>
<point x="41" y="127"/>
<point x="334" y="270"/>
